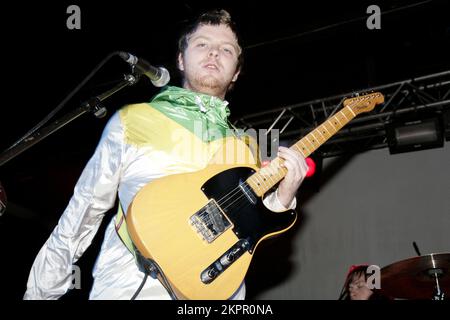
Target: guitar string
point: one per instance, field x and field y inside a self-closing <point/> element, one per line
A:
<point x="236" y="190"/>
<point x="233" y="192"/>
<point x="240" y="198"/>
<point x="229" y="197"/>
<point x="225" y="199"/>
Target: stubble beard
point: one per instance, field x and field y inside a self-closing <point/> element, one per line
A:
<point x="209" y="84"/>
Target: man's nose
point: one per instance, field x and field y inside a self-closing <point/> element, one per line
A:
<point x="213" y="51"/>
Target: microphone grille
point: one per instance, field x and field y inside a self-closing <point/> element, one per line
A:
<point x="163" y="79"/>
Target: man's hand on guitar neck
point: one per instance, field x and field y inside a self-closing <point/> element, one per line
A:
<point x="296" y="171"/>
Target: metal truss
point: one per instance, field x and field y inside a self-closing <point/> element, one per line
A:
<point x="410" y="99"/>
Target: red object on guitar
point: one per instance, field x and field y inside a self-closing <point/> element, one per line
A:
<point x="311" y="167"/>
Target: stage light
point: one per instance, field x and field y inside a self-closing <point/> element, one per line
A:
<point x="446" y="116"/>
<point x="414" y="135"/>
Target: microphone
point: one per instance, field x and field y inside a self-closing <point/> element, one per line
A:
<point x="158" y="75"/>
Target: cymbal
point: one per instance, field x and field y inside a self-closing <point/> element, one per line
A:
<point x="414" y="278"/>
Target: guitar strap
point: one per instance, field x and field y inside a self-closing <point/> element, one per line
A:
<point x="122" y="231"/>
<point x="145" y="265"/>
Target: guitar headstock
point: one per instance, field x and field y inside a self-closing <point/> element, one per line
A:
<point x="364" y="103"/>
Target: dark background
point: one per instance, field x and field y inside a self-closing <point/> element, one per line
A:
<point x="295" y="51"/>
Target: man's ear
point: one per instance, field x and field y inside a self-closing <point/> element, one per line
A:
<point x="236" y="74"/>
<point x="180" y="62"/>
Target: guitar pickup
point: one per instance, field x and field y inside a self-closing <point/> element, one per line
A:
<point x="247" y="192"/>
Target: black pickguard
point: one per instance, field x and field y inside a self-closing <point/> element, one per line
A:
<point x="251" y="221"/>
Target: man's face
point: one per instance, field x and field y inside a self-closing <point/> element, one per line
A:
<point x="210" y="60"/>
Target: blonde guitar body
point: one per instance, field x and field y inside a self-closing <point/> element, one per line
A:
<point x="169" y="224"/>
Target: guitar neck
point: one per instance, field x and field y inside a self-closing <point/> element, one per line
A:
<point x="268" y="176"/>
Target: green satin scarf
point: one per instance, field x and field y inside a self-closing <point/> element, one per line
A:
<point x="203" y="115"/>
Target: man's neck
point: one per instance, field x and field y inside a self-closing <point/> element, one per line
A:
<point x="207" y="91"/>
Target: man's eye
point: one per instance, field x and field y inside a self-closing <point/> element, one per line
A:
<point x="229" y="51"/>
<point x="201" y="45"/>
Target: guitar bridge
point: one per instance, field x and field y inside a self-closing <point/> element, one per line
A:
<point x="210" y="222"/>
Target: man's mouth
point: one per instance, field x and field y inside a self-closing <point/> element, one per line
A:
<point x="211" y="66"/>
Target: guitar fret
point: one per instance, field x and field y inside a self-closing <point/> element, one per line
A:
<point x="268" y="178"/>
<point x="332" y="125"/>
<point x="258" y="180"/>
<point x="323" y="137"/>
<point x="306" y="137"/>
<point x="251" y="182"/>
<point x="263" y="181"/>
<point x="299" y="150"/>
<point x="336" y="117"/>
<point x="345" y="116"/>
<point x="325" y="127"/>
<point x="314" y="137"/>
<point x="351" y="111"/>
<point x="268" y="174"/>
<point x="257" y="184"/>
<point x="271" y="174"/>
<point x="304" y="146"/>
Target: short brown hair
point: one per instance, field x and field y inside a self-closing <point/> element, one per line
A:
<point x="213" y="17"/>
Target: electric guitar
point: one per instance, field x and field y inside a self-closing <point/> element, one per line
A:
<point x="201" y="229"/>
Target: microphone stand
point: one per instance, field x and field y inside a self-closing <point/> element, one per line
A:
<point x="93" y="105"/>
